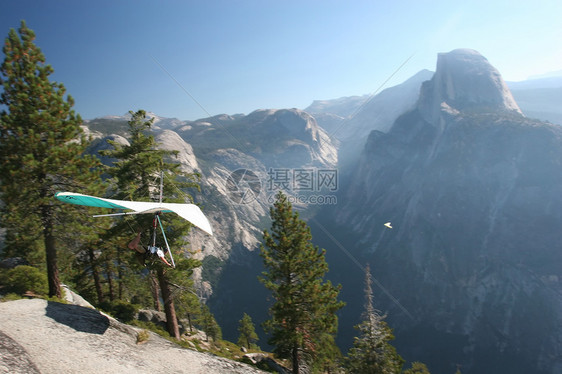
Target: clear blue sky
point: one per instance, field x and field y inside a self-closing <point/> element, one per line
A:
<point x="238" y="56"/>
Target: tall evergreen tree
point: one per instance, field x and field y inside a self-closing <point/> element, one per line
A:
<point x="247" y="330"/>
<point x="80" y="252"/>
<point x="136" y="175"/>
<point x="187" y="302"/>
<point x="41" y="147"/>
<point x="209" y="324"/>
<point x="372" y="352"/>
<point x="303" y="313"/>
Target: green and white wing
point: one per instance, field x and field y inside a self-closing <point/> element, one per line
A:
<point x="189" y="212"/>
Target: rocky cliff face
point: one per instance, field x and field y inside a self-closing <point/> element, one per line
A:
<point x="472" y="188"/>
<point x="465" y="81"/>
<point x="277" y="138"/>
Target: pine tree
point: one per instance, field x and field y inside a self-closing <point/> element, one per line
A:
<point x="372" y="352"/>
<point x="41" y="147"/>
<point x="209" y="324"/>
<point x="187" y="303"/>
<point x="303" y="313"/>
<point x="136" y="175"/>
<point x="81" y="251"/>
<point x="247" y="330"/>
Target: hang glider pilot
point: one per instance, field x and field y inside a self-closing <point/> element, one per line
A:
<point x="152" y="250"/>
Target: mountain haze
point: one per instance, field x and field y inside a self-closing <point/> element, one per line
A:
<point x="472" y="188"/>
<point x="540" y="98"/>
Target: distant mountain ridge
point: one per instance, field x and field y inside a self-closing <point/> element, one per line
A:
<point x="540" y="98"/>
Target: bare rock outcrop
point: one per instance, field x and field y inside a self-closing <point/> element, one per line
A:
<point x="464" y="80"/>
<point x="39" y="336"/>
<point x="171" y="141"/>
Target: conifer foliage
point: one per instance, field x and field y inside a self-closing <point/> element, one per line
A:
<point x="209" y="324"/>
<point x="303" y="312"/>
<point x="248" y="336"/>
<point x="41" y="148"/>
<point x="372" y="352"/>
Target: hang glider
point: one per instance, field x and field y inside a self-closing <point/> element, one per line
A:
<point x="388" y="224"/>
<point x="189" y="212"/>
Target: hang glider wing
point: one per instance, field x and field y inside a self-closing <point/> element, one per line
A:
<point x="189" y="212"/>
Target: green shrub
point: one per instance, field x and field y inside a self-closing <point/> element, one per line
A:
<point x="25" y="278"/>
<point x="122" y="310"/>
<point x="11" y="297"/>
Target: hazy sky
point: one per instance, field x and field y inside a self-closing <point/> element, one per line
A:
<point x="238" y="56"/>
